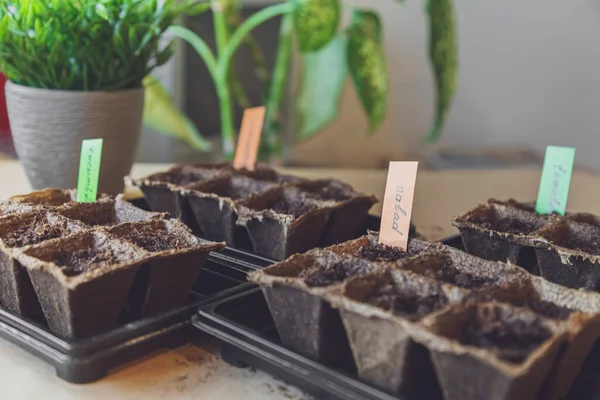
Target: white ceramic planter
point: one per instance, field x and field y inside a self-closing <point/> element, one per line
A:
<point x="49" y="125"/>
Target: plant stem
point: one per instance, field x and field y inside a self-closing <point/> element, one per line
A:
<point x="223" y="65"/>
<point x="222" y="85"/>
<point x="199" y="45"/>
<point x="273" y="119"/>
<point x="221" y="32"/>
<point x="245" y="28"/>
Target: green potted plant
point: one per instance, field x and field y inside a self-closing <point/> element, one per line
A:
<point x="76" y="71"/>
<point x="330" y="54"/>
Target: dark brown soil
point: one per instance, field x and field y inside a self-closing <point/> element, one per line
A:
<point x="320" y="275"/>
<point x="293" y="206"/>
<point x="448" y="273"/>
<point x="186" y="177"/>
<point x="330" y="192"/>
<point x="409" y="306"/>
<point x="291" y="179"/>
<point x="154" y="241"/>
<point x="33" y="232"/>
<point x="585" y="218"/>
<point x="508" y="225"/>
<point x="547" y="309"/>
<point x="521" y="206"/>
<point x="510" y="337"/>
<point x="241" y="188"/>
<point x="80" y="261"/>
<point x="381" y="253"/>
<point x="590" y="244"/>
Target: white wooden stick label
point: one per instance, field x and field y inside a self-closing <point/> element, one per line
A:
<point x="249" y="138"/>
<point x="398" y="203"/>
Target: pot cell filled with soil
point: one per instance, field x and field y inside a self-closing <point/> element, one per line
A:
<point x="465" y="271"/>
<point x="165" y="280"/>
<point x="584" y="218"/>
<point x="492" y="351"/>
<point x="569" y="254"/>
<point x="24" y="230"/>
<point x="367" y="248"/>
<point x="578" y="311"/>
<point x="379" y="312"/>
<point x="162" y="190"/>
<point x="213" y="203"/>
<point x="46" y="198"/>
<point x="294" y="291"/>
<point x="105" y="213"/>
<point x="512" y="203"/>
<point x="346" y="220"/>
<point x="82" y="281"/>
<point x="501" y="233"/>
<point x="283" y="221"/>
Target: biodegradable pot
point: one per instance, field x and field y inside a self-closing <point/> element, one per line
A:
<point x="49" y="125"/>
<point x="468" y="372"/>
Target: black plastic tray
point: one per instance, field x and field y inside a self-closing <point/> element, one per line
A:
<point x="87" y="360"/>
<point x="248" y="337"/>
<point x="243" y="324"/>
<point x="90" y="359"/>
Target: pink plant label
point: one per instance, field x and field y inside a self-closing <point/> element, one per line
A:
<point x="398" y="203"/>
<point x="249" y="138"/>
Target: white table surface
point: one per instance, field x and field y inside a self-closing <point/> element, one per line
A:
<point x="191" y="372"/>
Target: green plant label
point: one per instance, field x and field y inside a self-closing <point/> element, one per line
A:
<point x="89" y="170"/>
<point x="556" y="180"/>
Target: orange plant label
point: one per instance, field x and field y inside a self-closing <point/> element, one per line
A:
<point x="249" y="138"/>
<point x="398" y="203"/>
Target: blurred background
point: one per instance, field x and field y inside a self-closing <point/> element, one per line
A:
<point x="528" y="78"/>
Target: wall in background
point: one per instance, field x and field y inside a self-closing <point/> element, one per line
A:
<point x="529" y="76"/>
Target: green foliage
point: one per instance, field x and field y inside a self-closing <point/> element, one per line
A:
<point x="161" y="114"/>
<point x="86" y="44"/>
<point x="323" y="76"/>
<point x="443" y="54"/>
<point x="366" y="63"/>
<point x="316" y="22"/>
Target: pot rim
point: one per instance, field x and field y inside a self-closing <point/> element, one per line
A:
<point x="42" y="91"/>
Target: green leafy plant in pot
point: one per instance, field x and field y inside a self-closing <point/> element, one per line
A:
<point x="76" y="71"/>
<point x="330" y="53"/>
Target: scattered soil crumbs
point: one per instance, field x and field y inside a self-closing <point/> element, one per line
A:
<point x="154" y="240"/>
<point x="510" y="336"/>
<point x="508" y="225"/>
<point x="321" y="275"/>
<point x="293" y="206"/>
<point x="407" y="305"/>
<point x="80" y="261"/>
<point x="33" y="231"/>
<point x="381" y="253"/>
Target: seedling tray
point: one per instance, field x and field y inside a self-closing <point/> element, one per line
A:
<point x="243" y="324"/>
<point x="90" y="359"/>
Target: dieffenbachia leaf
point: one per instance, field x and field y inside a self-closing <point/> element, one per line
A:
<point x="161" y="114"/>
<point x="366" y="63"/>
<point x="443" y="55"/>
<point x="316" y="22"/>
<point x="323" y="75"/>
